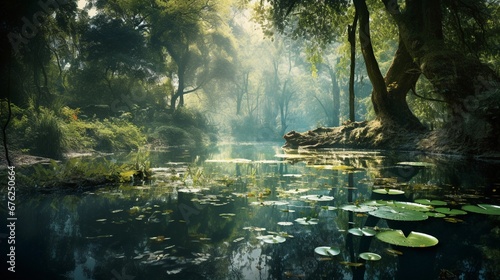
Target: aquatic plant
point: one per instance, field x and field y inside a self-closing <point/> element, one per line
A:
<point x="414" y="239"/>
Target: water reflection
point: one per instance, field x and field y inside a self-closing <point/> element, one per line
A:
<point x="203" y="221"/>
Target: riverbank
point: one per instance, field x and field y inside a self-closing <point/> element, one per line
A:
<point x="372" y="135"/>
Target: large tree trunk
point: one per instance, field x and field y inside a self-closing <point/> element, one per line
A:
<point x="389" y="93"/>
<point x="401" y="77"/>
<point x="468" y="86"/>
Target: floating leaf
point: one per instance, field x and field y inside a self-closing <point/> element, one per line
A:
<point x="334" y="167"/>
<point x="159" y="238"/>
<point x="435" y="215"/>
<point x="409" y="206"/>
<point x="362" y="231"/>
<point x="274" y="202"/>
<point x="368" y="231"/>
<point x="393" y="252"/>
<point x="414" y="239"/>
<point x="227" y="215"/>
<point x="487" y="209"/>
<point x="329" y="208"/>
<point x="327" y="251"/>
<point x="238" y="239"/>
<point x="189" y="190"/>
<point x="388" y="191"/>
<point x="307" y="221"/>
<point x="315" y="197"/>
<point x="101" y="220"/>
<point x="117" y="211"/>
<point x="416" y="163"/>
<point x="355" y="231"/>
<point x="353" y="264"/>
<point x="390" y="213"/>
<point x="370" y="256"/>
<point x="292" y="175"/>
<point x="431" y="202"/>
<point x="296" y="191"/>
<point x="285" y="223"/>
<point x="448" y="211"/>
<point x="271" y="239"/>
<point x="358" y="208"/>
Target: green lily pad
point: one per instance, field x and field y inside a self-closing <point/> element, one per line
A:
<point x="370" y="256"/>
<point x="271" y="239"/>
<point x="359" y="208"/>
<point x="334" y="167"/>
<point x="388" y="191"/>
<point x="355" y="231"/>
<point x="398" y="214"/>
<point x="448" y="211"/>
<point x="416" y="163"/>
<point x="315" y="197"/>
<point x="362" y="231"/>
<point x="307" y="221"/>
<point x="327" y="251"/>
<point x="409" y="206"/>
<point x="414" y="239"/>
<point x="431" y="202"/>
<point x="487" y="209"/>
<point x="435" y="215"/>
<point x="375" y="203"/>
<point x="296" y="191"/>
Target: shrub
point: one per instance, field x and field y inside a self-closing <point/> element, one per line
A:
<point x="47" y="138"/>
<point x="174" y="136"/>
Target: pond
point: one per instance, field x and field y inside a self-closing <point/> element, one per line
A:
<point x="254" y="211"/>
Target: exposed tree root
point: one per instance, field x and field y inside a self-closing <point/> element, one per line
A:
<point x="374" y="135"/>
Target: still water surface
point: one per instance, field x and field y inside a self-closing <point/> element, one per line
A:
<point x="203" y="217"/>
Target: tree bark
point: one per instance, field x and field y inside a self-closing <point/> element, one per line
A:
<point x="389" y="93"/>
<point x="351" y="34"/>
<point x="469" y="87"/>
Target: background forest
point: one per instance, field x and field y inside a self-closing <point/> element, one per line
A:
<point x="112" y="75"/>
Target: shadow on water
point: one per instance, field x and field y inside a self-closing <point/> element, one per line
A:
<point x="207" y="217"/>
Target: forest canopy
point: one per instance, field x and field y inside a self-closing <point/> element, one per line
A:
<point x="108" y="74"/>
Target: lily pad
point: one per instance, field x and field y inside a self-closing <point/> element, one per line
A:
<point x="296" y="191"/>
<point x="409" y="206"/>
<point x="307" y="221"/>
<point x="359" y="208"/>
<point x="487" y="209"/>
<point x="315" y="197"/>
<point x="398" y="214"/>
<point x="370" y="256"/>
<point x="435" y="215"/>
<point x="355" y="231"/>
<point x="327" y="251"/>
<point x="416" y="163"/>
<point x="414" y="239"/>
<point x="285" y="223"/>
<point x="272" y="239"/>
<point x="388" y="191"/>
<point x="431" y="202"/>
<point x="334" y="167"/>
<point x="362" y="231"/>
<point x="448" y="211"/>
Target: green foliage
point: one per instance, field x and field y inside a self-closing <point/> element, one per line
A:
<point x="50" y="134"/>
<point x="173" y="136"/>
<point x="47" y="137"/>
<point x="106" y="135"/>
<point x="82" y="172"/>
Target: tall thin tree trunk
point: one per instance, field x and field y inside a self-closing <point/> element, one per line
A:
<point x="352" y="41"/>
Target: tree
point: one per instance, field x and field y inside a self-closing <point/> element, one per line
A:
<point x="466" y="84"/>
<point x="187" y="32"/>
